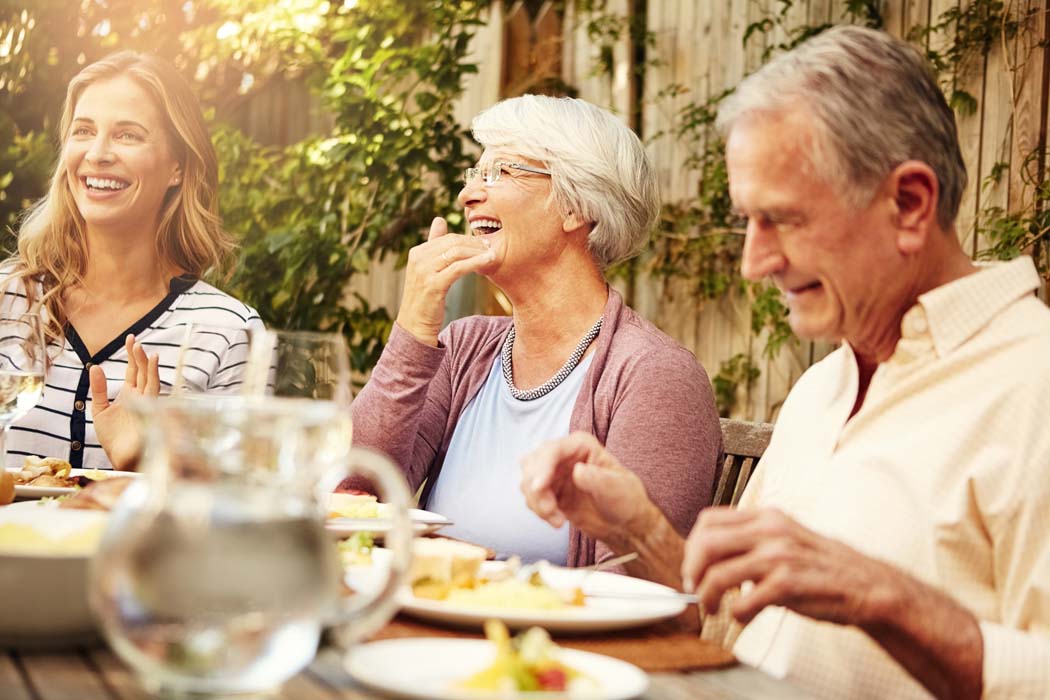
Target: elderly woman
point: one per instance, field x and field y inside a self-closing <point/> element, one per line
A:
<point x="111" y="257"/>
<point x="562" y="191"/>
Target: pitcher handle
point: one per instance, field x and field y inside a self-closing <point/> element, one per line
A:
<point x="362" y="615"/>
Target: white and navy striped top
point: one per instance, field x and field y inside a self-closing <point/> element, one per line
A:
<point x="213" y="325"/>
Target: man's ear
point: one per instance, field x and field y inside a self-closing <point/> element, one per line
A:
<point x="573" y="222"/>
<point x="915" y="191"/>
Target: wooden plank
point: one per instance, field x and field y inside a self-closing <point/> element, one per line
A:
<point x="969" y="128"/>
<point x="482" y="90"/>
<point x="12" y="683"/>
<point x="1029" y="107"/>
<point x="306" y="686"/>
<point x="622" y="84"/>
<point x="894" y="16"/>
<point x="116" y="675"/>
<point x="821" y="12"/>
<point x="517" y="44"/>
<point x="917" y="14"/>
<point x="755" y="48"/>
<point x="547" y="33"/>
<point x="684" y="72"/>
<point x="63" y="676"/>
<point x="734" y="65"/>
<point x="996" y="138"/>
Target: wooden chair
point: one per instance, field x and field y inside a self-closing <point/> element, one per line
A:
<point x="744" y="444"/>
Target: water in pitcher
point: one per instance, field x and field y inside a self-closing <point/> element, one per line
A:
<point x="221" y="599"/>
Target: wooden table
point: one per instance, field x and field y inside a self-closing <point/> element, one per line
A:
<point x="95" y="674"/>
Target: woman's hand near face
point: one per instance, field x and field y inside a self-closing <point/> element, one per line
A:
<point x="114" y="426"/>
<point x="432" y="268"/>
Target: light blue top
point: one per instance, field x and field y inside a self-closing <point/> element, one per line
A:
<point x="479" y="487"/>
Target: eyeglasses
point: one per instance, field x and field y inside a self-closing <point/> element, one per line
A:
<point x="490" y="174"/>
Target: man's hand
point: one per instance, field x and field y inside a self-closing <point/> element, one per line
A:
<point x="790" y="565"/>
<point x="432" y="268"/>
<point x="577" y="479"/>
<point x="934" y="638"/>
<point x="114" y="426"/>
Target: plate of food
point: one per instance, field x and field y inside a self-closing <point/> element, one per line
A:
<point x="452" y="583"/>
<point x="350" y="513"/>
<point x="49" y="477"/>
<point x="528" y="666"/>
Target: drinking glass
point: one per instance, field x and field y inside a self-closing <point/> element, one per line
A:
<point x="22" y="366"/>
<point x="215" y="575"/>
<point x="302" y="364"/>
<point x="211" y="359"/>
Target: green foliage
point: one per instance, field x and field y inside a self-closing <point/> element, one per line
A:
<point x="1013" y="233"/>
<point x="739" y="370"/>
<point x="972" y="30"/>
<point x="314" y="214"/>
<point x="25" y="165"/>
<point x="768" y="313"/>
<point x="865" y="12"/>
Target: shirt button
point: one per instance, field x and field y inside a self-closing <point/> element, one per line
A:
<point x="88" y="365"/>
<point x="76" y="446"/>
<point x="919" y="325"/>
<point x="79" y="405"/>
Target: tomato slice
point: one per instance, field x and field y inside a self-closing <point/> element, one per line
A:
<point x="551" y="679"/>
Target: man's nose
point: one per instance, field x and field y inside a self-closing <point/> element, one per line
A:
<point x="762" y="255"/>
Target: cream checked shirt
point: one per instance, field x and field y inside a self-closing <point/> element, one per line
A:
<point x="944" y="472"/>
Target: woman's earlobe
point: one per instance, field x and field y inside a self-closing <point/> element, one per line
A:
<point x="572" y="222"/>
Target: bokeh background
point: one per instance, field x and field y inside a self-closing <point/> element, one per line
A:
<point x="341" y="129"/>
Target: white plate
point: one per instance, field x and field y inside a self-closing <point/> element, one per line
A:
<point x="423" y="522"/>
<point x="597" y="614"/>
<point x="46" y="593"/>
<point x="25" y="491"/>
<point x="430" y="669"/>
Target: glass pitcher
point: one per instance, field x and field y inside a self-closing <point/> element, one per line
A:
<point x="216" y="575"/>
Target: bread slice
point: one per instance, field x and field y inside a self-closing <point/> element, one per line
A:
<point x="444" y="561"/>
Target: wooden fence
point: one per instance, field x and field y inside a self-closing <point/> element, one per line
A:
<point x="699" y="44"/>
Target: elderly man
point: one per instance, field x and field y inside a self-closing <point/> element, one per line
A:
<point x="893" y="542"/>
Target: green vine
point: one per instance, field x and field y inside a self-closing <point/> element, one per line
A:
<point x="700" y="240"/>
<point x="736" y="372"/>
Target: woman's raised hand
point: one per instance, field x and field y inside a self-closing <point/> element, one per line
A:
<point x="432" y="268"/>
<point x="114" y="426"/>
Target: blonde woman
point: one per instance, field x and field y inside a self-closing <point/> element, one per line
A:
<point x="112" y="257"/>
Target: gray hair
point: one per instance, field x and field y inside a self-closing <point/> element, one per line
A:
<point x="600" y="171"/>
<point x="875" y="103"/>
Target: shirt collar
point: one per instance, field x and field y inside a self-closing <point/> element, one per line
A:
<point x="956" y="311"/>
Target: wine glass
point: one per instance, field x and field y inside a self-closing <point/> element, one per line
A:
<point x="23" y="362"/>
<point x="299" y="364"/>
<point x="211" y="360"/>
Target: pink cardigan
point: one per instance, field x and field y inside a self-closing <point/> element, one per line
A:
<point x="645" y="398"/>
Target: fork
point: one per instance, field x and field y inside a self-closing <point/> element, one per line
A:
<point x="526" y="572"/>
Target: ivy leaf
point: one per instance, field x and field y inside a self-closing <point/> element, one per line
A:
<point x="361" y="261"/>
<point x="963" y="102"/>
<point x="763" y="25"/>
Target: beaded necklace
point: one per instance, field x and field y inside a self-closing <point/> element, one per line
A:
<point x="548" y="386"/>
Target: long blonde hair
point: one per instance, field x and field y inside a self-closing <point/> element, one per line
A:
<point x="52" y="243"/>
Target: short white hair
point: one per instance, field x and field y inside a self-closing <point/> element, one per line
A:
<point x="599" y="169"/>
<point x="875" y="104"/>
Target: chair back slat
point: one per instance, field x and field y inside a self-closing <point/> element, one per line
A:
<point x="745" y="442"/>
